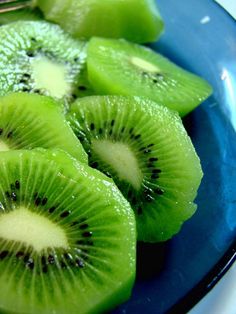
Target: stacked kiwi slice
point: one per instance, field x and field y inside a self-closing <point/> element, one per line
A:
<point x="135" y="20"/>
<point x="67" y="241"/>
<point x="122" y="68"/>
<point x="144" y="147"/>
<point x="38" y="57"/>
<point x="93" y="153"/>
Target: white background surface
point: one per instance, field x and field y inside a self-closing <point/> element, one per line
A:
<point x="222" y="298"/>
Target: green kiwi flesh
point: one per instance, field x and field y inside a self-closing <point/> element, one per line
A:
<point x="67" y="242"/>
<point x="122" y="68"/>
<point x="22" y="15"/>
<point x="39" y="57"/>
<point x="145" y="149"/>
<point x="30" y="120"/>
<point x="135" y="20"/>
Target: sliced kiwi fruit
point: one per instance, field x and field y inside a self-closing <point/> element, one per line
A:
<point x="122" y="68"/>
<point x="18" y="15"/>
<point x="67" y="243"/>
<point x="39" y="57"/>
<point x="29" y="121"/>
<point x="135" y="20"/>
<point x="146" y="150"/>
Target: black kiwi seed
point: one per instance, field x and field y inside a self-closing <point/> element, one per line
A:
<point x="37" y="201"/>
<point x="156" y="171"/>
<point x="44" y="201"/>
<point x="83" y="226"/>
<point x="79" y="263"/>
<point x="37" y="91"/>
<point x="137" y="136"/>
<point x="51" y="210"/>
<point x="30" y="263"/>
<point x="92" y="126"/>
<point x="25" y="89"/>
<point x="1" y="131"/>
<point x="26" y="76"/>
<point x="9" y="135"/>
<point x="51" y="259"/>
<point x="13" y="196"/>
<point x="65" y="214"/>
<point x="82" y="88"/>
<point x="87" y="234"/>
<point x="67" y="256"/>
<point x="45" y="269"/>
<point x="155" y="176"/>
<point x="43" y="260"/>
<point x="19" y="254"/>
<point x="3" y="254"/>
<point x="22" y="81"/>
<point x="26" y="258"/>
<point x="30" y="54"/>
<point x="153" y="159"/>
<point x="17" y="185"/>
<point x="112" y="122"/>
<point x="7" y="194"/>
<point x="159" y="191"/>
<point x="100" y="131"/>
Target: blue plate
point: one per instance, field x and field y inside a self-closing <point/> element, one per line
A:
<point x="171" y="277"/>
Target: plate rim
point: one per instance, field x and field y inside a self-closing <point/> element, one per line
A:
<point x="206" y="284"/>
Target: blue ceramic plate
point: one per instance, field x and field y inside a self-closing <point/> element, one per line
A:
<point x="171" y="277"/>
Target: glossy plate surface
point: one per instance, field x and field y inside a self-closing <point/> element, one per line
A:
<point x="198" y="255"/>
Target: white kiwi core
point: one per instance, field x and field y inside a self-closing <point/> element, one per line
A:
<point x="145" y="65"/>
<point x="22" y="225"/>
<point x="50" y="76"/>
<point x="3" y="146"/>
<point x="120" y="158"/>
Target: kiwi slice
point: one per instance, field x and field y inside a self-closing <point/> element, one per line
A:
<point x="23" y="14"/>
<point x="67" y="243"/>
<point x="38" y="57"/>
<point x="29" y="121"/>
<point x="136" y="20"/>
<point x="122" y="68"/>
<point x="145" y="149"/>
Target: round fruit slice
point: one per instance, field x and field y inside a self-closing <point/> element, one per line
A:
<point x="146" y="150"/>
<point x="38" y="57"/>
<point x="122" y="68"/>
<point x="136" y="20"/>
<point x="67" y="246"/>
<point x="29" y="121"/>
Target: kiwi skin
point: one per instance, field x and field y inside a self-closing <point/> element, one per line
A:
<point x="171" y="169"/>
<point x="119" y="285"/>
